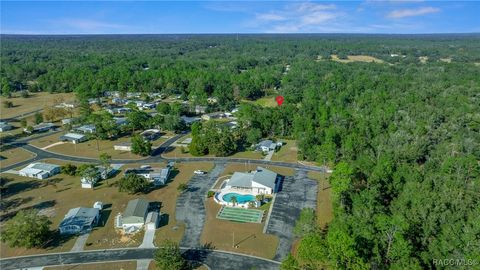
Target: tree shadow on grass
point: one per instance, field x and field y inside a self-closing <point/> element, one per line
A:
<point x="6" y="205"/>
<point x="39" y="206"/>
<point x="57" y="239"/>
<point x="17" y="187"/>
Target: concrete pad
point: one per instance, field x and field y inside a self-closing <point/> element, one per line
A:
<point x="143" y="264"/>
<point x="148" y="239"/>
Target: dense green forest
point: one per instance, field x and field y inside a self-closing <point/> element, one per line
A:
<point x="402" y="136"/>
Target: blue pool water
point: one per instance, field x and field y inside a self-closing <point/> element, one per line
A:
<point x="240" y="198"/>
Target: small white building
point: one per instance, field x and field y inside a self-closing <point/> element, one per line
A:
<point x="73" y="137"/>
<point x="87" y="129"/>
<point x="268" y="145"/>
<point x="124" y="146"/>
<point x="102" y="175"/>
<point x="39" y="170"/>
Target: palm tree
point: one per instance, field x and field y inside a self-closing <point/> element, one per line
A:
<point x="233" y="200"/>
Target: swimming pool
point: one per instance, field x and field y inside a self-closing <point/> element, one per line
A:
<point x="240" y="198"/>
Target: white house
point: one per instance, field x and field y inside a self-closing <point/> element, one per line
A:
<point x="39" y="170"/>
<point x="260" y="181"/>
<point x="88" y="182"/>
<point x="87" y="129"/>
<point x="134" y="216"/>
<point x="79" y="220"/>
<point x="159" y="176"/>
<point x="124" y="146"/>
<point x="73" y="137"/>
<point x="40" y="127"/>
<point x="267" y="145"/>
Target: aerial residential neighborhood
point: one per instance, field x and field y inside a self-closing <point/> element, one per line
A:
<point x="177" y="135"/>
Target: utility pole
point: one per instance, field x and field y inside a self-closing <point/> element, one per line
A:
<point x="233" y="240"/>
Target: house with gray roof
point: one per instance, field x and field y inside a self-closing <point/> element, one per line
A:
<point x="135" y="215"/>
<point x="39" y="170"/>
<point x="267" y="145"/>
<point x="87" y="129"/>
<point x="79" y="220"/>
<point x="260" y="181"/>
<point x="73" y="137"/>
<point x="4" y="126"/>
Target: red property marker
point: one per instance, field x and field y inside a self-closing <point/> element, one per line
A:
<point x="279" y="100"/>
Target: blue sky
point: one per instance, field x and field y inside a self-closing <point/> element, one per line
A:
<point x="166" y="17"/>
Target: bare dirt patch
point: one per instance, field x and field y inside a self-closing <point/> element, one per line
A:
<point x="357" y="58"/>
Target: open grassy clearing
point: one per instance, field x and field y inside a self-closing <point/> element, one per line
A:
<point x="324" y="198"/>
<point x="357" y="58"/>
<point x="89" y="148"/>
<point x="239" y="167"/>
<point x="249" y="237"/>
<point x="14" y="155"/>
<point x="446" y="60"/>
<point x="36" y="101"/>
<point x="288" y="152"/>
<point x="127" y="265"/>
<point x="170" y="228"/>
<point x="56" y="195"/>
<point x="267" y="101"/>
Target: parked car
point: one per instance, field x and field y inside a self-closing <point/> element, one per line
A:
<point x="200" y="172"/>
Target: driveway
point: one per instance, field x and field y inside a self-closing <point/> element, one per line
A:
<point x="298" y="192"/>
<point x="190" y="206"/>
<point x="80" y="242"/>
<point x="148" y="239"/>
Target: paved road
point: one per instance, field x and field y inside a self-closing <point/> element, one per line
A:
<point x="190" y="206"/>
<point x="156" y="157"/>
<point x="20" y="115"/>
<point x="213" y="258"/>
<point x="298" y="192"/>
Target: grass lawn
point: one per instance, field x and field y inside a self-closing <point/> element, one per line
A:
<point x="17" y="129"/>
<point x="14" y="155"/>
<point x="324" y="199"/>
<point x="56" y="195"/>
<point x="357" y="58"/>
<point x="34" y="102"/>
<point x="242" y="167"/>
<point x="267" y="101"/>
<point x="288" y="152"/>
<point x="170" y="228"/>
<point x="249" y="237"/>
<point x="126" y="265"/>
<point x="89" y="148"/>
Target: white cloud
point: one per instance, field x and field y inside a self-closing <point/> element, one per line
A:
<point x="270" y="17"/>
<point x="402" y="13"/>
<point x="297" y="17"/>
<point x="85" y="24"/>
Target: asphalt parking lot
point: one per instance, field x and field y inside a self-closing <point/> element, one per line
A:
<point x="190" y="206"/>
<point x="297" y="192"/>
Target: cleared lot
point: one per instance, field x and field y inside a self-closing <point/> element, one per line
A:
<point x="34" y="102"/>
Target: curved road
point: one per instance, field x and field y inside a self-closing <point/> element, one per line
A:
<point x="215" y="259"/>
<point x="156" y="157"/>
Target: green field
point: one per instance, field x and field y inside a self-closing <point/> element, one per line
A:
<point x="240" y="214"/>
